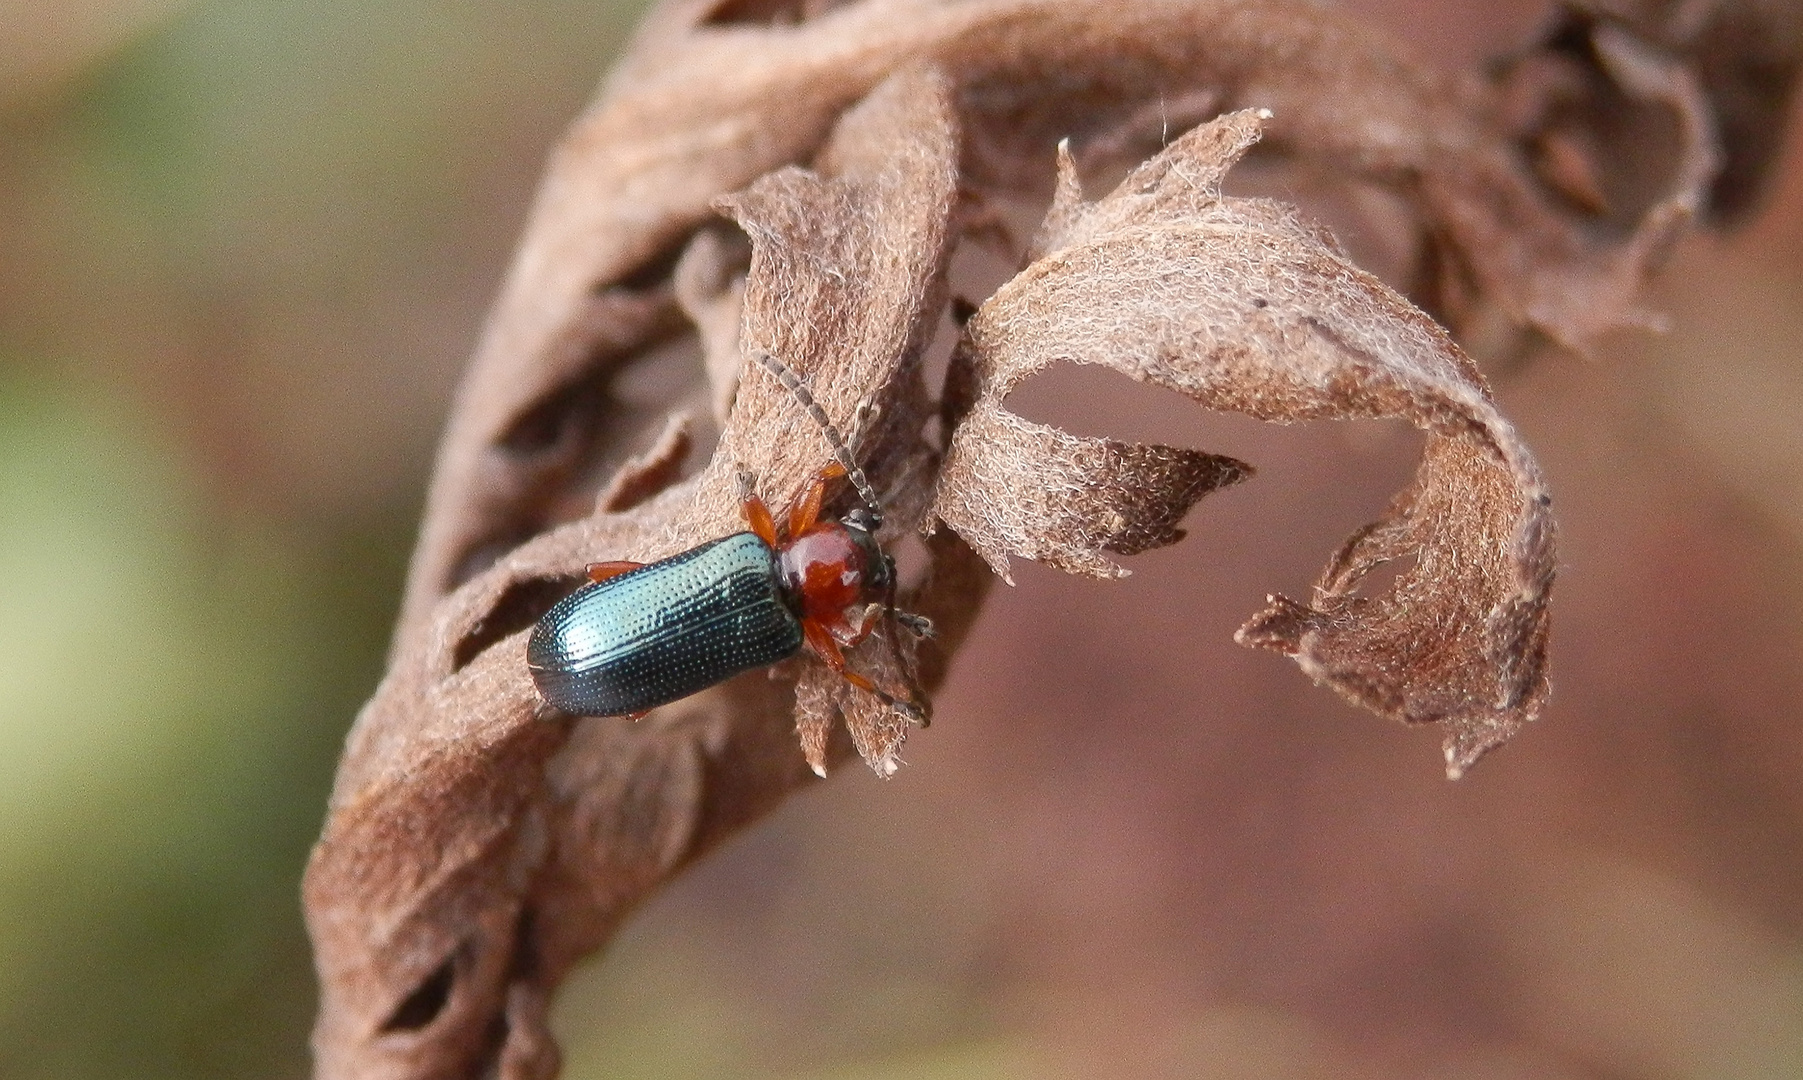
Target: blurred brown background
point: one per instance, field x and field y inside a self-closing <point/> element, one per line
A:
<point x="244" y="248"/>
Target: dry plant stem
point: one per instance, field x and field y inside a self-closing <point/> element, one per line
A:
<point x="477" y="846"/>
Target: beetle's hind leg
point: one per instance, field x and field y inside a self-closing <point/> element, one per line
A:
<point x="601" y="571"/>
<point x="757" y="515"/>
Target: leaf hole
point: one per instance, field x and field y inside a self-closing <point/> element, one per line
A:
<point x="521" y="604"/>
<point x="483" y="554"/>
<point x="525" y="965"/>
<point x="560" y="419"/>
<point x="425" y="1003"/>
<point x="769" y="12"/>
<point x="1381" y="579"/>
<point x="976" y="270"/>
<point x="634" y="314"/>
<point x="1098" y="402"/>
<point x="651" y="273"/>
<point x="562" y="450"/>
<point x="715" y="262"/>
<point x="638" y="360"/>
<point x="912" y="560"/>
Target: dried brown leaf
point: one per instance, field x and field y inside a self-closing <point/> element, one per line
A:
<point x="706" y="103"/>
<point x="476" y="847"/>
<point x="1242" y="306"/>
<point x="1742" y="56"/>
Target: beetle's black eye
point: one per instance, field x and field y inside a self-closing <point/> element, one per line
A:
<point x="425" y="1003"/>
<point x="861" y="517"/>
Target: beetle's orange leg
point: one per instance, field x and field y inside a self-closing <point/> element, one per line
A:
<point x="806" y="510"/>
<point x="757" y="515"/>
<point x="828" y="650"/>
<point x="848" y="634"/>
<point x="601" y="571"/>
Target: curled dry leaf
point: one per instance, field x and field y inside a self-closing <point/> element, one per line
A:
<point x="1740" y="56"/>
<point x="1242" y="306"/>
<point x="478" y="846"/>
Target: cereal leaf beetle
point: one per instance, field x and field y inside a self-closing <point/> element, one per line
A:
<point x="640" y="635"/>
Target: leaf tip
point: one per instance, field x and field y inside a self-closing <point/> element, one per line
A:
<point x="1279" y="627"/>
<point x="1463" y="751"/>
<point x="1455" y="766"/>
<point x="1468" y="742"/>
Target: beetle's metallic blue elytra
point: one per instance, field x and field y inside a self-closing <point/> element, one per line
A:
<point x="664" y="630"/>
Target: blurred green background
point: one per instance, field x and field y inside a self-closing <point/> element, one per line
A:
<point x="244" y="249"/>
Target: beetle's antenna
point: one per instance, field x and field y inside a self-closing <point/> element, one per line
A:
<point x="841" y="452"/>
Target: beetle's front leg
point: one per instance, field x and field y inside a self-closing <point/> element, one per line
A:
<point x="821" y="642"/>
<point x="805" y="511"/>
<point x="918" y="625"/>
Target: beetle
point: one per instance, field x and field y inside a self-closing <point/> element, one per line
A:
<point x="640" y="635"/>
